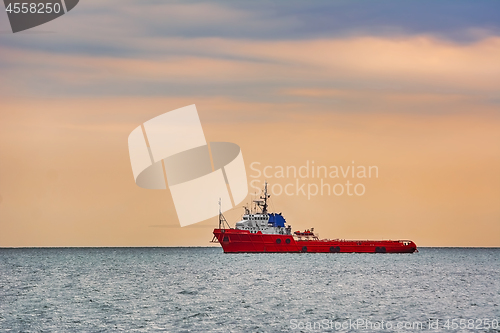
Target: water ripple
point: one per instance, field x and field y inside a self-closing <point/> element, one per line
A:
<point x="202" y="289"/>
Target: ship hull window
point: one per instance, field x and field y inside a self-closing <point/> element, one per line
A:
<point x="334" y="249"/>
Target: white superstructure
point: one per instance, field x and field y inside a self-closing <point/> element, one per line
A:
<point x="266" y="223"/>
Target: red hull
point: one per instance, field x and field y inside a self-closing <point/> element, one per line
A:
<point x="241" y="241"/>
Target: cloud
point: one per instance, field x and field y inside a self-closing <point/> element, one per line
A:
<point x="277" y="71"/>
<point x="259" y="50"/>
<point x="462" y="21"/>
<point x="111" y="28"/>
<point x="455" y="20"/>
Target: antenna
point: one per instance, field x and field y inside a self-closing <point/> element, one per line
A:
<point x="266" y="196"/>
<point x="222" y="219"/>
<point x="254" y="203"/>
<point x="220" y="214"/>
<point x="262" y="203"/>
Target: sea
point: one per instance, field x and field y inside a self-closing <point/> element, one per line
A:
<point x="204" y="290"/>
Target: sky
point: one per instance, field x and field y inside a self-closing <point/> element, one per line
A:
<point x="410" y="87"/>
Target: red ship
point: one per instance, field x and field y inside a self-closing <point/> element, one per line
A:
<point x="262" y="232"/>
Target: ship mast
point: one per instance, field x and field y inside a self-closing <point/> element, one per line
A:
<point x="266" y="196"/>
<point x="263" y="203"/>
<point x="222" y="219"/>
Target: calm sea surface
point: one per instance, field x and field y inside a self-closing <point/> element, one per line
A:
<point x="203" y="289"/>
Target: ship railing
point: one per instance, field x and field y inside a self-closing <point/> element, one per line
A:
<point x="307" y="237"/>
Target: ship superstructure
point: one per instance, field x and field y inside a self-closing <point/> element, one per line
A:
<point x="259" y="219"/>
